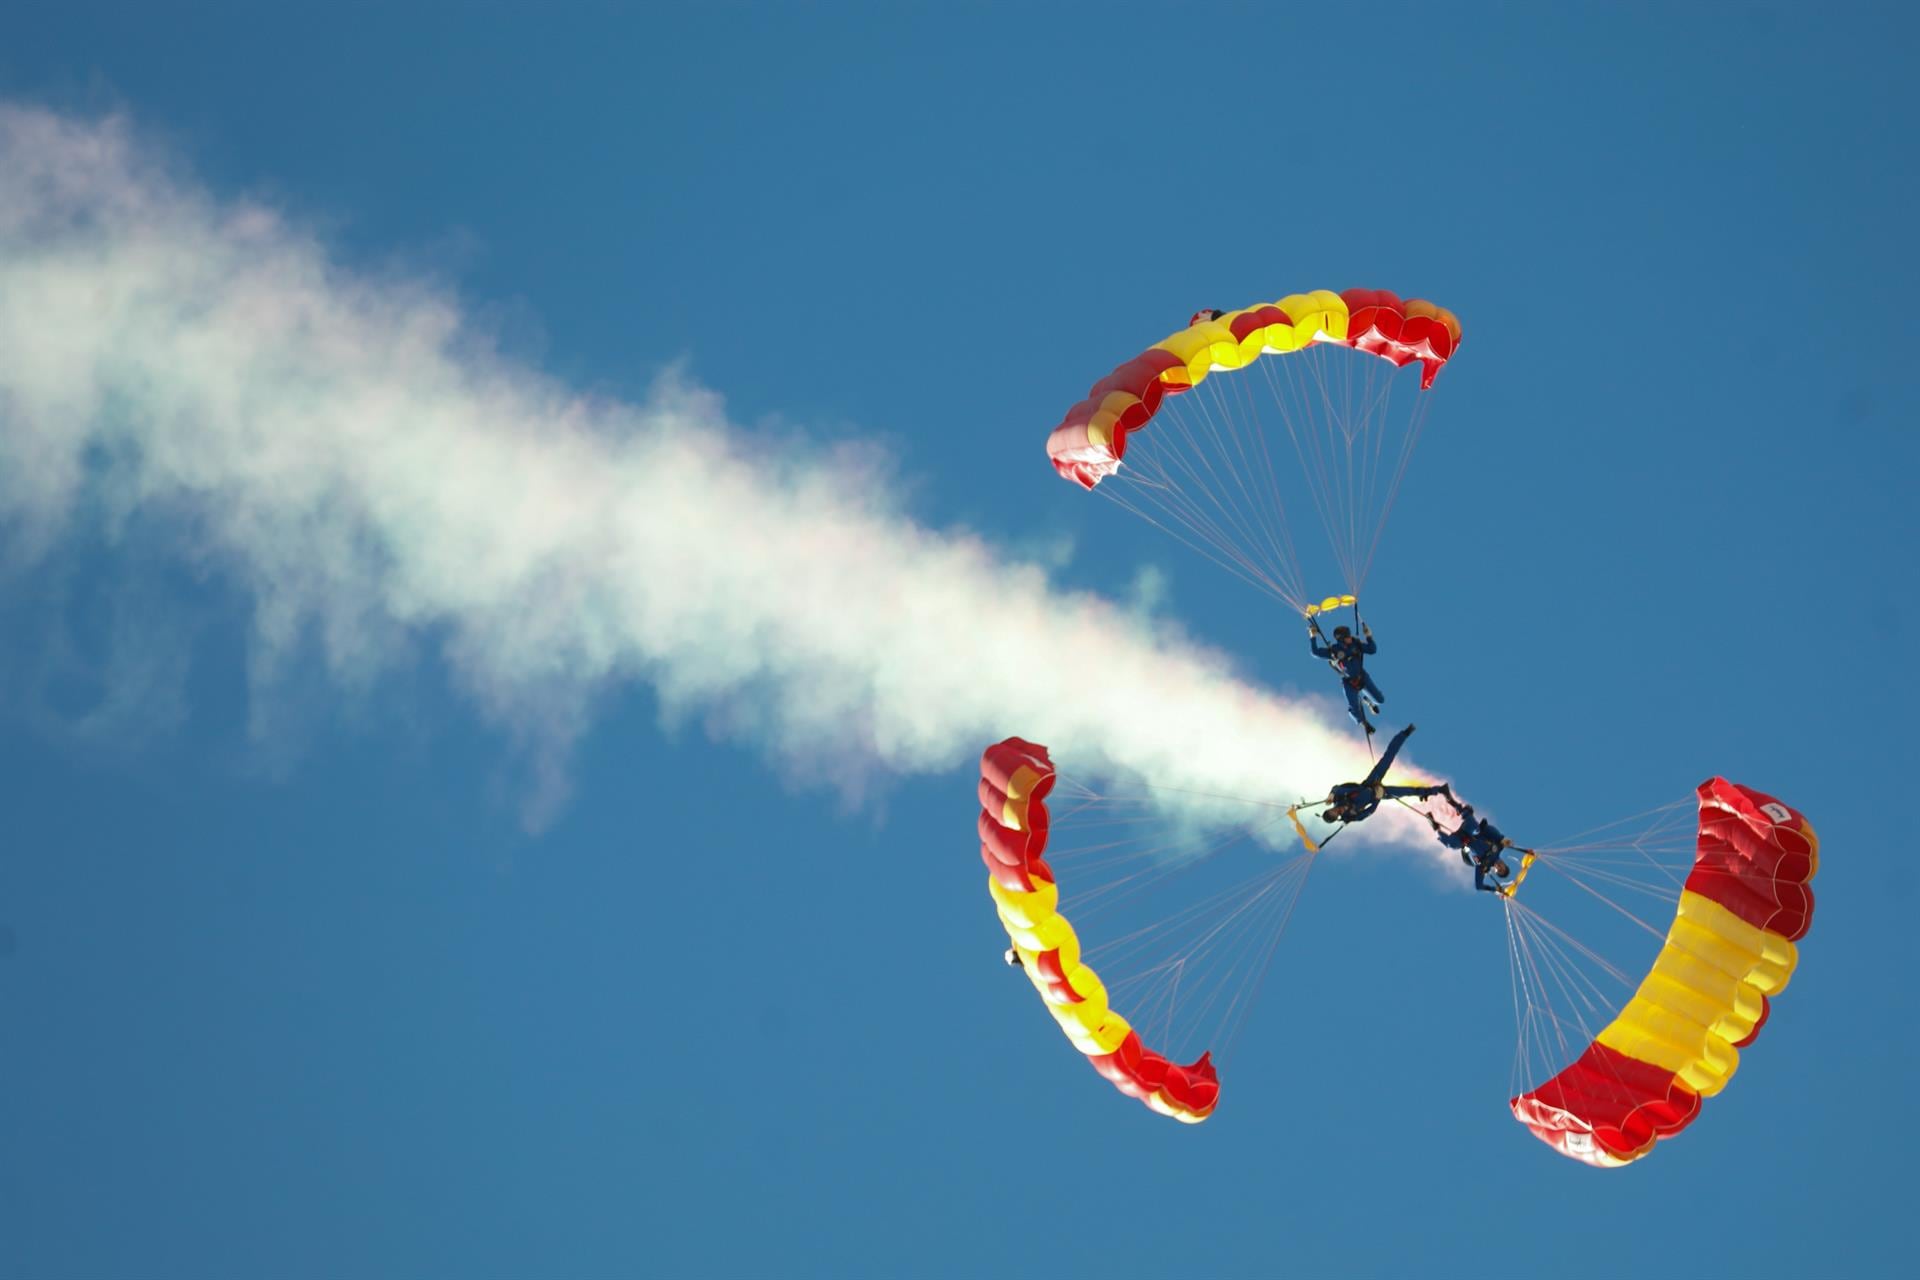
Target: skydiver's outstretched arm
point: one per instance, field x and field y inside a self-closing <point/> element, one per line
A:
<point x="1449" y="839"/>
<point x="1367" y="646"/>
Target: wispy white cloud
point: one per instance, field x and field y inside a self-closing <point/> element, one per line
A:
<point x="377" y="478"/>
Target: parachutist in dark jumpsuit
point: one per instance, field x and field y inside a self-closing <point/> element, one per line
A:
<point x="1480" y="844"/>
<point x="1355" y="801"/>
<point x="1348" y="656"/>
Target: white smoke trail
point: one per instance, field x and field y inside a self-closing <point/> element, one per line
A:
<point x="376" y="477"/>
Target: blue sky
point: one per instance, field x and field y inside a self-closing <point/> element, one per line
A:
<point x="289" y="984"/>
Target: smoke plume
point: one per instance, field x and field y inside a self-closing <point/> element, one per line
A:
<point x="377" y="479"/>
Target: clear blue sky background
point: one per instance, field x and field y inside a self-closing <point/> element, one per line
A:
<point x="336" y="1013"/>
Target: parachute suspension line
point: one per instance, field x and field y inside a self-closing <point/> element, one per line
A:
<point x="1157" y="860"/>
<point x="1252" y="911"/>
<point x="1319" y="420"/>
<point x="1164" y="467"/>
<point x="1572" y="943"/>
<point x="1128" y="944"/>
<point x="1549" y="972"/>
<point x="1338" y="424"/>
<point x="1671" y="833"/>
<point x="1150" y="787"/>
<point x="1588" y="875"/>
<point x="1260" y="485"/>
<point x="1161" y="866"/>
<point x="1287" y="389"/>
<point x="1261" y="908"/>
<point x="1343" y="449"/>
<point x="1417" y="421"/>
<point x="1379" y="437"/>
<point x="1537" y="1027"/>
<point x="1552" y="970"/>
<point x="1266" y="961"/>
<point x="1205" y="422"/>
<point x="1571" y="983"/>
<point x="1675" y="814"/>
<point x="1197" y="438"/>
<point x="1579" y="995"/>
<point x="1381" y="382"/>
<point x="1584" y="887"/>
<point x="1228" y="929"/>
<point x="1200" y="541"/>
<point x="1521" y="1023"/>
<point x="1239" y="516"/>
<point x="1348" y="428"/>
<point x="1287" y="550"/>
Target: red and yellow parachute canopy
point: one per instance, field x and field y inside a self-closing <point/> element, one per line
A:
<point x="1746" y="902"/>
<point x="1091" y="440"/>
<point x="1015" y="779"/>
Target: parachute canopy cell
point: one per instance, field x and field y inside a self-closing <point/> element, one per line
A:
<point x="1745" y="904"/>
<point x="1015" y="779"/>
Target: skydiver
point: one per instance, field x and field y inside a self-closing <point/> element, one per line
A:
<point x="1348" y="656"/>
<point x="1013" y="960"/>
<point x="1356" y="801"/>
<point x="1480" y="844"/>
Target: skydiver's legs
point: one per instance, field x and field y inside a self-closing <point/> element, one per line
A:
<point x="1353" y="707"/>
<point x="1413" y="793"/>
<point x="1371" y="689"/>
<point x="1385" y="761"/>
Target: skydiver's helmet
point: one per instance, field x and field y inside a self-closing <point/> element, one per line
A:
<point x="1203" y="315"/>
<point x="1342" y="633"/>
